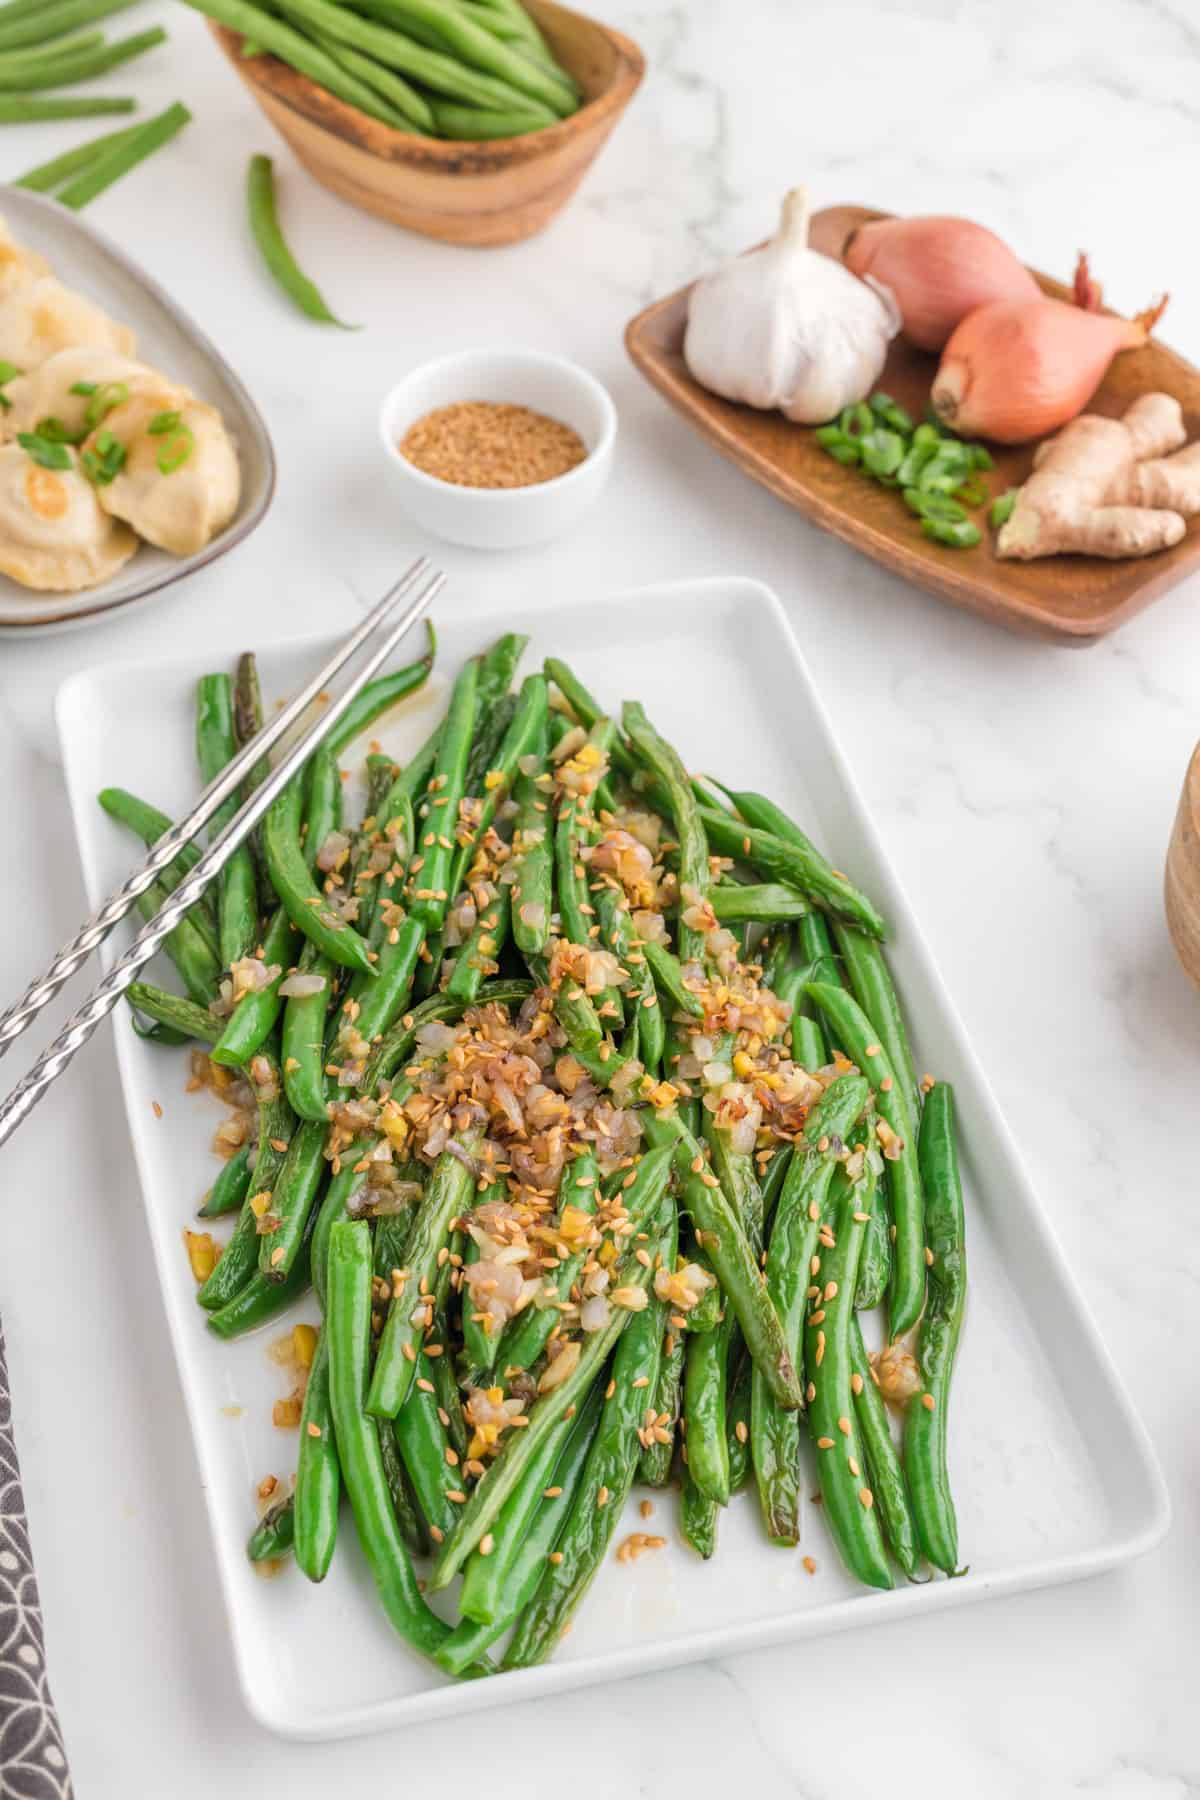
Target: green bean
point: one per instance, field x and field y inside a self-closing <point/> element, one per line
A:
<point x="295" y="49"/>
<point x="180" y="1015"/>
<point x="925" y="1422"/>
<point x="274" y="1533"/>
<point x="47" y="176"/>
<point x="479" y="1344"/>
<point x="53" y="20"/>
<point x="705" y="1391"/>
<point x="148" y="823"/>
<point x="791" y="861"/>
<point x="737" y="1417"/>
<point x="407" y="110"/>
<point x="620" y="936"/>
<point x="847" y="1502"/>
<point x="230" y="1188"/>
<point x="318" y="1470"/>
<point x="468" y="124"/>
<point x="856" y="1037"/>
<point x="322" y="805"/>
<point x="532" y="886"/>
<point x="292" y="1200"/>
<point x="476" y="957"/>
<point x="380" y="695"/>
<point x="422" y="1441"/>
<point x="698" y="1517"/>
<point x="304" y="1021"/>
<point x="520" y="738"/>
<point x="268" y="235"/>
<point x="818" y="960"/>
<point x="397" y="49"/>
<point x="477" y="49"/>
<point x="446" y="1194"/>
<point x="438" y="813"/>
<point x="885" y="1472"/>
<point x="412" y="1526"/>
<point x="654" y="1464"/>
<point x="733" y="1259"/>
<point x="27" y="109"/>
<point x="247" y="723"/>
<point x="396" y="1046"/>
<point x="12" y="62"/>
<point x="775" y="1435"/>
<point x="261" y="1298"/>
<point x="349" y="1326"/>
<point x="872" y="986"/>
<point x="670" y="980"/>
<point x="611" y="1467"/>
<point x="768" y="904"/>
<point x="237" y="1262"/>
<point x="216" y="746"/>
<point x="253" y="1018"/>
<point x="664" y="762"/>
<point x="469" y="1640"/>
<point x="187" y="945"/>
<point x="306" y="906"/>
<point x="63" y="71"/>
<point x="525" y="1336"/>
<point x="587" y="709"/>
<point x="493" y="1489"/>
<point x="112" y="164"/>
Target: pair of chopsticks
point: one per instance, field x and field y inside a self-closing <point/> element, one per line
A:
<point x="79" y="1028"/>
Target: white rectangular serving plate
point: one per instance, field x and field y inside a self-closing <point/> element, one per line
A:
<point x="85" y="259"/>
<point x="1053" y="1472"/>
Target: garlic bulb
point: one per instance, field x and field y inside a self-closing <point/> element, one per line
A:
<point x="788" y="327"/>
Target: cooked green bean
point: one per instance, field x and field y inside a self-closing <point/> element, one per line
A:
<point x="349" y="1327"/>
<point x="216" y="746"/>
<point x="253" y="1017"/>
<point x="524" y="1337"/>
<point x="273" y="1536"/>
<point x="663" y="760"/>
<point x="306" y="906"/>
<point x="767" y="904"/>
<point x="179" y="1015"/>
<point x="885" y="1471"/>
<point x="292" y="1200"/>
<point x="230" y="1188"/>
<point x="925" y="1426"/>
<point x="789" y="861"/>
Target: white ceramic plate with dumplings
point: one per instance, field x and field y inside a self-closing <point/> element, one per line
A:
<point x="85" y="260"/>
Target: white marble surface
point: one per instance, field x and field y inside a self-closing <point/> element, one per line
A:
<point x="1026" y="793"/>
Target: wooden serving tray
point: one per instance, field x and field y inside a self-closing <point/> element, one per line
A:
<point x="1071" y="598"/>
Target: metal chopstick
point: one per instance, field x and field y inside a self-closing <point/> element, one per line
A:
<point x="79" y="1028"/>
<point x="72" y="956"/>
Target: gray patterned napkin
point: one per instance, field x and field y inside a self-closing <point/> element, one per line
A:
<point x="33" y="1763"/>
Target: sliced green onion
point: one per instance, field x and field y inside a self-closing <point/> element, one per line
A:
<point x="934" y="506"/>
<point x="980" y="457"/>
<point x="43" y="451"/>
<point x="176" y="451"/>
<point x="855" y="420"/>
<point x="55" y="432"/>
<point x="84" y="388"/>
<point x="103" y="400"/>
<point x="960" y="535"/>
<point x="1001" y="508"/>
<point x="882" y="451"/>
<point x="892" y="413"/>
<point x="104" y="460"/>
<point x="972" y="492"/>
<point x="163" y="422"/>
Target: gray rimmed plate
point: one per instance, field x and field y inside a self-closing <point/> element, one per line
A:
<point x="84" y="258"/>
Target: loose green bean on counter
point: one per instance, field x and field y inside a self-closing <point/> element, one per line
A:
<point x="577" y="1099"/>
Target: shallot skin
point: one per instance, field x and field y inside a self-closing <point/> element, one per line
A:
<point x="1017" y="370"/>
<point x="940" y="269"/>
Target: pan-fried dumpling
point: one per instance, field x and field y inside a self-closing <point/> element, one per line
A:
<point x="40" y="316"/>
<point x="46" y="392"/>
<point x="180" y="482"/>
<point x="54" y="534"/>
<point x="17" y="264"/>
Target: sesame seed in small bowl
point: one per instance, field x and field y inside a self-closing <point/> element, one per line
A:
<point x="498" y="448"/>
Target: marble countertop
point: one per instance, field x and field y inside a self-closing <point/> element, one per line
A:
<point x="1025" y="792"/>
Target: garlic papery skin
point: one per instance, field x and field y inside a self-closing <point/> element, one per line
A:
<point x="787" y="327"/>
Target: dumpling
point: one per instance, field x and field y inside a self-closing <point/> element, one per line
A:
<point x="54" y="534"/>
<point x="17" y="264"/>
<point x="180" y="482"/>
<point x="46" y="393"/>
<point x="39" y="317"/>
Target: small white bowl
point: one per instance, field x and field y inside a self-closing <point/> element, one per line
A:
<point x="502" y="518"/>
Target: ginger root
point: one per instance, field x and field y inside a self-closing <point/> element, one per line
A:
<point x="1108" y="487"/>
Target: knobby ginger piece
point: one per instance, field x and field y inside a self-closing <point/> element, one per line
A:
<point x="1108" y="487"/>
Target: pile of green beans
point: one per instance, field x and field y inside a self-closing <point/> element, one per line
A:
<point x="462" y="69"/>
<point x="938" y="475"/>
<point x="747" y="1278"/>
<point x="43" y="47"/>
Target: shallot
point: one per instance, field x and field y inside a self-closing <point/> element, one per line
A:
<point x="939" y="269"/>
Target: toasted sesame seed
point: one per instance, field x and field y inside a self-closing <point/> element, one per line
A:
<point x="610" y="1390"/>
<point x="928" y="1257"/>
<point x="810" y="1567"/>
<point x="314" y="1430"/>
<point x="873" y="1049"/>
<point x="436" y="1534"/>
<point x="928" y="1402"/>
<point x="409" y="1353"/>
<point x="457" y="1495"/>
<point x="867" y="1497"/>
<point x="646" y="1509"/>
<point x="825" y="1443"/>
<point x="844" y="1425"/>
<point x="451" y="1456"/>
<point x="555" y="1556"/>
<point x="602" y="1497"/>
<point x="819" y="1357"/>
<point x="853" y="1467"/>
<point x="831" y="1288"/>
<point x="810" y="1392"/>
<point x="551" y="1493"/>
<point x="277" y="1256"/>
<point x="856" y="1383"/>
<point x="425" y="1386"/>
<point x="741" y="1431"/>
<point x="487" y="1544"/>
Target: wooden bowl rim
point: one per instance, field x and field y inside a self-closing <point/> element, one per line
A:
<point x="290" y="88"/>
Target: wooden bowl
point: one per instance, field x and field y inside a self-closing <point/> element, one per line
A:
<point x="1182" y="885"/>
<point x="463" y="193"/>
